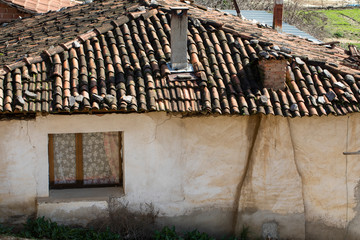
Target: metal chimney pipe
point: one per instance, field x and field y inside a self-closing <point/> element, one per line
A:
<point x="179" y="27"/>
<point x="278" y="15"/>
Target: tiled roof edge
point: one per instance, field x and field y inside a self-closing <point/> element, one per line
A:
<point x="336" y="70"/>
<point x="199" y="6"/>
<point x="82" y="38"/>
<point x="192" y="4"/>
<point x="326" y="65"/>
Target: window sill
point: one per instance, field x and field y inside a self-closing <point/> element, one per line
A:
<point x="83" y="194"/>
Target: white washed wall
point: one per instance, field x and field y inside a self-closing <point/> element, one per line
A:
<point x="213" y="173"/>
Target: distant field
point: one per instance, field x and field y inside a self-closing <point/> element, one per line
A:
<point x="326" y="3"/>
<point x="341" y="24"/>
<point x="334" y="24"/>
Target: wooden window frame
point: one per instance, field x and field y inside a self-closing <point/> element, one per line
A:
<point x="79" y="164"/>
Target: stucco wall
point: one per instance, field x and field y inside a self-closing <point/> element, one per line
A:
<point x="210" y="173"/>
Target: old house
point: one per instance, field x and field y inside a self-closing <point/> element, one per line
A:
<point x="97" y="106"/>
<point x="13" y="9"/>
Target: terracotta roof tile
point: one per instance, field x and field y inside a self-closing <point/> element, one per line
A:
<point x="40" y="6"/>
<point x="111" y="57"/>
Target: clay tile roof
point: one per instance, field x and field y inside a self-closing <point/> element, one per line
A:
<point x="111" y="56"/>
<point x="40" y="6"/>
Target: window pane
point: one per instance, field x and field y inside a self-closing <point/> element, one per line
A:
<point x="64" y="158"/>
<point x="101" y="158"/>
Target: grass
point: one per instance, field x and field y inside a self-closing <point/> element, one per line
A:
<point x="337" y="24"/>
<point x="352" y="13"/>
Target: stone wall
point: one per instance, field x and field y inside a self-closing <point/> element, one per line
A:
<point x="211" y="173"/>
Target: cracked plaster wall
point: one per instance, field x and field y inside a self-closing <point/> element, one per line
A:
<point x="212" y="173"/>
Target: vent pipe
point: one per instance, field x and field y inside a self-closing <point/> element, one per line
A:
<point x="278" y="15"/>
<point x="179" y="28"/>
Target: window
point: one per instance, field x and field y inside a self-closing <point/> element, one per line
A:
<point x="85" y="159"/>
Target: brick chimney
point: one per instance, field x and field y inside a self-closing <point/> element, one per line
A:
<point x="179" y="28"/>
<point x="278" y="15"/>
<point x="273" y="73"/>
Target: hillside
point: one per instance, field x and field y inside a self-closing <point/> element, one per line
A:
<point x="341" y="25"/>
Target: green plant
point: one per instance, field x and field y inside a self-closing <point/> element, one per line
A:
<point x="196" y="235"/>
<point x="245" y="233"/>
<point x="167" y="234"/>
<point x="42" y="228"/>
<point x="338" y="34"/>
<point x="39" y="227"/>
<point x="5" y="230"/>
<point x="230" y="238"/>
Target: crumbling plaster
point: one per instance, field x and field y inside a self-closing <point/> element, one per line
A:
<point x="221" y="172"/>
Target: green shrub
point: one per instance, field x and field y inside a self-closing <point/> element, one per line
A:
<point x="338" y="34"/>
<point x="42" y="228"/>
<point x="5" y="230"/>
<point x="245" y="233"/>
<point x="167" y="234"/>
<point x="170" y="234"/>
<point x="196" y="235"/>
<point x="39" y="228"/>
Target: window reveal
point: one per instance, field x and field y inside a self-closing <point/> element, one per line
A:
<point x="85" y="159"/>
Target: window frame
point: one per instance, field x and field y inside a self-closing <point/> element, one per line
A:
<point x="79" y="164"/>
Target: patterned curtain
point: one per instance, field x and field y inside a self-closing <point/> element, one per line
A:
<point x="64" y="158"/>
<point x="101" y="158"/>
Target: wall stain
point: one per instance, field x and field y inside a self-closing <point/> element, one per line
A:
<point x="252" y="133"/>
<point x="298" y="171"/>
<point x="17" y="213"/>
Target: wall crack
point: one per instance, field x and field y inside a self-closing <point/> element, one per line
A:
<point x="158" y="125"/>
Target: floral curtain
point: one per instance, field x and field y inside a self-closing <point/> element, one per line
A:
<point x="101" y="163"/>
<point x="101" y="158"/>
<point x="64" y="158"/>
